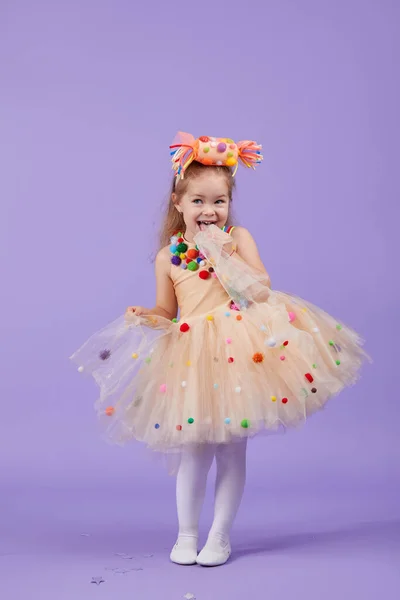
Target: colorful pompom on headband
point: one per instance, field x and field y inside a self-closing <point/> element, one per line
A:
<point x="212" y="151"/>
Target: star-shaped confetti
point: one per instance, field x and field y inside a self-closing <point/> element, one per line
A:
<point x="97" y="580"/>
<point x="124" y="571"/>
<point x="121" y="571"/>
<point x="189" y="596"/>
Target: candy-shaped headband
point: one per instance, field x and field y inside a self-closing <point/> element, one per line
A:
<point x="212" y="151"/>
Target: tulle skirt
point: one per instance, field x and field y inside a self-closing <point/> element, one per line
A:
<point x="220" y="376"/>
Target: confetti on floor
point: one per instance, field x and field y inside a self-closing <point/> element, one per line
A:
<point x="119" y="571"/>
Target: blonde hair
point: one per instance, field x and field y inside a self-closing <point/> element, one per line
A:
<point x="173" y="220"/>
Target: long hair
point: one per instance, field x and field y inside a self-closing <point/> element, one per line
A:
<point x="173" y="220"/>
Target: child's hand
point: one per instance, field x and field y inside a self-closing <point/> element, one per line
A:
<point x="216" y="236"/>
<point x="219" y="236"/>
<point x="135" y="311"/>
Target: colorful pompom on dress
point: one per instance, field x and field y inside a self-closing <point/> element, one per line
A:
<point x="241" y="360"/>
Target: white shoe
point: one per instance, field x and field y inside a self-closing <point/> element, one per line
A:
<point x="214" y="553"/>
<point x="185" y="551"/>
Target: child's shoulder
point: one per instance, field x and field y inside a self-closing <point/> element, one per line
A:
<point x="164" y="252"/>
<point x="163" y="257"/>
<point x="241" y="233"/>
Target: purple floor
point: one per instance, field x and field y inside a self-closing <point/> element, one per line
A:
<point x="312" y="537"/>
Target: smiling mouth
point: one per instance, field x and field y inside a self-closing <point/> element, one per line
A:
<point x="206" y="222"/>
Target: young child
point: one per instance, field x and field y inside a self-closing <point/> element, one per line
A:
<point x="242" y="358"/>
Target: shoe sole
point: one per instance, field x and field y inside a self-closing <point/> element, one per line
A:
<point x="217" y="565"/>
<point x="185" y="564"/>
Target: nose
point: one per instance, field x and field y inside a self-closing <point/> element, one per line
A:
<point x="208" y="211"/>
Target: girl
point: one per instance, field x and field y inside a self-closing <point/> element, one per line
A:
<point x="241" y="359"/>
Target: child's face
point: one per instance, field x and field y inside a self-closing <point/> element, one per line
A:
<point x="205" y="201"/>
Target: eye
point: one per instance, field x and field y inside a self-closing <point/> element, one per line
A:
<point x="220" y="201"/>
<point x="197" y="200"/>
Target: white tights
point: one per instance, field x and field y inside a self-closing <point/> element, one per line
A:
<point x="191" y="487"/>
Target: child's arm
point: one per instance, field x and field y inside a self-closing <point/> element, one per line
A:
<point x="166" y="303"/>
<point x="246" y="249"/>
<point x="241" y="272"/>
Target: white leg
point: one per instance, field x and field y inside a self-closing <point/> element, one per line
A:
<point x="191" y="484"/>
<point x="231" y="477"/>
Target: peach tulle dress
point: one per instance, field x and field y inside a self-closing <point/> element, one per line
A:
<point x="241" y="360"/>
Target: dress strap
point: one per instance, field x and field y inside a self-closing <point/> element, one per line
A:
<point x="228" y="229"/>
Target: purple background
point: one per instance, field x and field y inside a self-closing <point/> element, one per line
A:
<point x="91" y="95"/>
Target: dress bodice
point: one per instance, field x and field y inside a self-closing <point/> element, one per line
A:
<point x="194" y="294"/>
